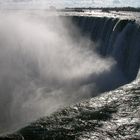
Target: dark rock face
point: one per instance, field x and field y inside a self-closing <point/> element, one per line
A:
<point x="113" y="115"/>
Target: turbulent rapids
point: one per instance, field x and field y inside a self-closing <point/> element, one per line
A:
<point x="49" y="62"/>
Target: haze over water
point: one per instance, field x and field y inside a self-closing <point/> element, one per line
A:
<point x="42" y="4"/>
<point x="42" y="67"/>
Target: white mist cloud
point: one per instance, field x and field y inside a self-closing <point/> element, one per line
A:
<point x="44" y="66"/>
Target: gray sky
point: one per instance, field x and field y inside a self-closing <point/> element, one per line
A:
<point x="68" y="3"/>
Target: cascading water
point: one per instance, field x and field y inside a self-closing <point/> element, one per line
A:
<point x="46" y="63"/>
<point x="116" y="38"/>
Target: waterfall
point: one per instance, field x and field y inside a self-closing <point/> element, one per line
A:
<point x="119" y="38"/>
<point x="47" y="62"/>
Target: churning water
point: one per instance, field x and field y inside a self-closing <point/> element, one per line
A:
<point x="45" y="64"/>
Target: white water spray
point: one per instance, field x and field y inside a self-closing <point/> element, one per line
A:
<point x="42" y="68"/>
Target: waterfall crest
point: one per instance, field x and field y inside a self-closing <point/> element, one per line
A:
<point x="118" y="38"/>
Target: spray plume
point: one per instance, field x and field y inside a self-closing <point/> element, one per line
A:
<point x="45" y="66"/>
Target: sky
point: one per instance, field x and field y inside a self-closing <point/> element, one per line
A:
<point x="67" y="3"/>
